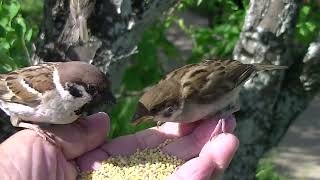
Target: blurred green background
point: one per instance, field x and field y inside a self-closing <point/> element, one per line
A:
<point x="19" y="27"/>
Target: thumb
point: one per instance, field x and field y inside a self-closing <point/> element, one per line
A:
<point x="82" y="136"/>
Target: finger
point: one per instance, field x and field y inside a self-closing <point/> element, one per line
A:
<point x="25" y="150"/>
<point x="189" y="146"/>
<point x="82" y="136"/>
<point x="213" y="159"/>
<point x="220" y="151"/>
<point x="198" y="169"/>
<point x="150" y="138"/>
<point x="91" y="160"/>
<point x="127" y="145"/>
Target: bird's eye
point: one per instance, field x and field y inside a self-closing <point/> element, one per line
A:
<point x="91" y="89"/>
<point x="168" y="111"/>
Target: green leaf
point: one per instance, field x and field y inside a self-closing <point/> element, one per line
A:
<point x="12" y="8"/>
<point x="4" y="45"/>
<point x="303" y="31"/>
<point x="7" y="63"/>
<point x="199" y="2"/>
<point x="11" y="37"/>
<point x="20" y="26"/>
<point x="310" y="26"/>
<point x="28" y="35"/>
<point x="305" y="10"/>
<point x="14" y="35"/>
<point x="4" y="21"/>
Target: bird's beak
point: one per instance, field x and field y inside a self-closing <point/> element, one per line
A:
<point x="137" y="120"/>
<point x="111" y="100"/>
<point x="142" y="114"/>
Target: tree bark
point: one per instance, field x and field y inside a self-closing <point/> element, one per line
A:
<point x="272" y="100"/>
<point x="112" y="29"/>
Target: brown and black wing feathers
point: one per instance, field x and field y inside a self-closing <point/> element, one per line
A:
<point x="212" y="79"/>
<point x="24" y="86"/>
<point x="177" y="74"/>
<point x="161" y="94"/>
<point x="40" y="78"/>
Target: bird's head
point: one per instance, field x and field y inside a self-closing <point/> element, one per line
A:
<point x="160" y="103"/>
<point x="82" y="79"/>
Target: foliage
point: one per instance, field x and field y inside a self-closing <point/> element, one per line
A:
<point x="266" y="171"/>
<point x="32" y="11"/>
<point x="144" y="72"/>
<point x="308" y="27"/>
<point x="15" y="37"/>
<point x="217" y="40"/>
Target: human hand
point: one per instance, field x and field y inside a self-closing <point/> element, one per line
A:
<point x="27" y="156"/>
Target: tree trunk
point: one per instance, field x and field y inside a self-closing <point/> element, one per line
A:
<point x="104" y="32"/>
<point x="272" y="100"/>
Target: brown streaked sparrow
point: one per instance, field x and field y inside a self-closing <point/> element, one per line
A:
<point x="52" y="93"/>
<point x="196" y="91"/>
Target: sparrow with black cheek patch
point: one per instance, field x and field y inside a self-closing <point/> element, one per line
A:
<point x="196" y="91"/>
<point x="52" y="93"/>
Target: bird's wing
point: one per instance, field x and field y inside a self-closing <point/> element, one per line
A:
<point x="26" y="85"/>
<point x="177" y="74"/>
<point x="212" y="79"/>
<point x="162" y="94"/>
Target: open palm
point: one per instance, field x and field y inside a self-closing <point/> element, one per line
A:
<point x="27" y="156"/>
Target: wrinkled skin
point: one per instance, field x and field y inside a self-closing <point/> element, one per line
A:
<point x="25" y="155"/>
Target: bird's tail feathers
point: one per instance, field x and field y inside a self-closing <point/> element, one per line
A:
<point x="268" y="67"/>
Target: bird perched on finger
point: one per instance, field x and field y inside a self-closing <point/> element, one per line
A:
<point x="52" y="93"/>
<point x="196" y="91"/>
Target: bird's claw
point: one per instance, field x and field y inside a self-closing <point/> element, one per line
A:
<point x="47" y="136"/>
<point x="159" y="123"/>
<point x="220" y="128"/>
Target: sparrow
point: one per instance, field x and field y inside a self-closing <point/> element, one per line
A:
<point x="52" y="93"/>
<point x="197" y="91"/>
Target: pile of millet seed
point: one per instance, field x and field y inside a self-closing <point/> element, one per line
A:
<point x="150" y="164"/>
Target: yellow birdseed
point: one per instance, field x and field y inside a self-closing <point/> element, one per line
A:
<point x="147" y="164"/>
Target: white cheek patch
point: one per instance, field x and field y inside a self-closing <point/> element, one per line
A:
<point x="65" y="94"/>
<point x="70" y="102"/>
<point x="56" y="80"/>
<point x="85" y="96"/>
